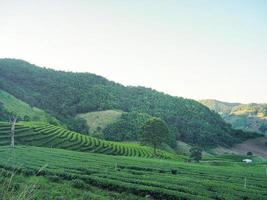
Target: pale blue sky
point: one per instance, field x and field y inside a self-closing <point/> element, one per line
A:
<point x="192" y="48"/>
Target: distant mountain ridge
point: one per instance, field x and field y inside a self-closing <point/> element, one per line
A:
<point x="67" y="94"/>
<point x="219" y="106"/>
<point x="248" y="117"/>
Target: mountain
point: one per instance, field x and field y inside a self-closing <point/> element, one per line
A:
<point x="219" y="106"/>
<point x="248" y="117"/>
<point x="66" y="95"/>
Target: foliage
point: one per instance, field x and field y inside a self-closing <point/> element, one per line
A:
<point x="249" y="153"/>
<point x="76" y="124"/>
<point x="127" y="128"/>
<point x="77" y="183"/>
<point x="263" y="128"/>
<point x="10" y="188"/>
<point x="196" y="153"/>
<point x="155" y="132"/>
<point x="3" y="113"/>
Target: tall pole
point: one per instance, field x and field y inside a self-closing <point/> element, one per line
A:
<point x="13" y="121"/>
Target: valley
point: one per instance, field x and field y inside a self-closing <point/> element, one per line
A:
<point x="87" y="141"/>
<point x="133" y="100"/>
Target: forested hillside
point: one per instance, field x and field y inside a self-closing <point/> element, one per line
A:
<point x="127" y="128"/>
<point x="248" y="117"/>
<point x="66" y="94"/>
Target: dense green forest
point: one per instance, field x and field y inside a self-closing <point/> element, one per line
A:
<point x="66" y="94"/>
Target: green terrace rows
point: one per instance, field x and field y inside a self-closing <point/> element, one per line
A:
<point x="158" y="178"/>
<point x="45" y="135"/>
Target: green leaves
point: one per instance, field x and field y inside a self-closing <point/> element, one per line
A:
<point x="196" y="153"/>
<point x="127" y="127"/>
<point x="155" y="132"/>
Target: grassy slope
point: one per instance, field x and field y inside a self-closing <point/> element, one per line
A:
<point x="97" y="121"/>
<point x="257" y="146"/>
<point x="12" y="104"/>
<point x="106" y="176"/>
<point x="39" y="134"/>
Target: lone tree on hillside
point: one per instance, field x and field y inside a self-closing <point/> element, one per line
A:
<point x="155" y="132"/>
<point x="196" y="153"/>
<point x="12" y="121"/>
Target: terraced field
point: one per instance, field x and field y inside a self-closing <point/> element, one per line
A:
<point x="120" y="177"/>
<point x="45" y="135"/>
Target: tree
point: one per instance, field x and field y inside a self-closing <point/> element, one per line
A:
<point x="263" y="128"/>
<point x="249" y="153"/>
<point x="3" y="113"/>
<point x="12" y="121"/>
<point x="154" y="133"/>
<point x="26" y="118"/>
<point x="196" y="153"/>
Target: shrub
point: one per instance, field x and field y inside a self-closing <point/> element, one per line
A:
<point x="174" y="171"/>
<point x="29" y="172"/>
<point x="14" y="187"/>
<point x="41" y="173"/>
<point x="196" y="154"/>
<point x="54" y="178"/>
<point x="249" y="153"/>
<point x="77" y="183"/>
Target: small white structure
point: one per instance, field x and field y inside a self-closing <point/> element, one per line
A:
<point x="247" y="161"/>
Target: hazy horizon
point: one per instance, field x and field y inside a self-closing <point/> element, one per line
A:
<point x="192" y="49"/>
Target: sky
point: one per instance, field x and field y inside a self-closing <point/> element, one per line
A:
<point x="199" y="49"/>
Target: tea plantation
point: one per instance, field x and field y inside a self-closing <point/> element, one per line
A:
<point x="50" y="162"/>
<point x="45" y="135"/>
<point x="63" y="174"/>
